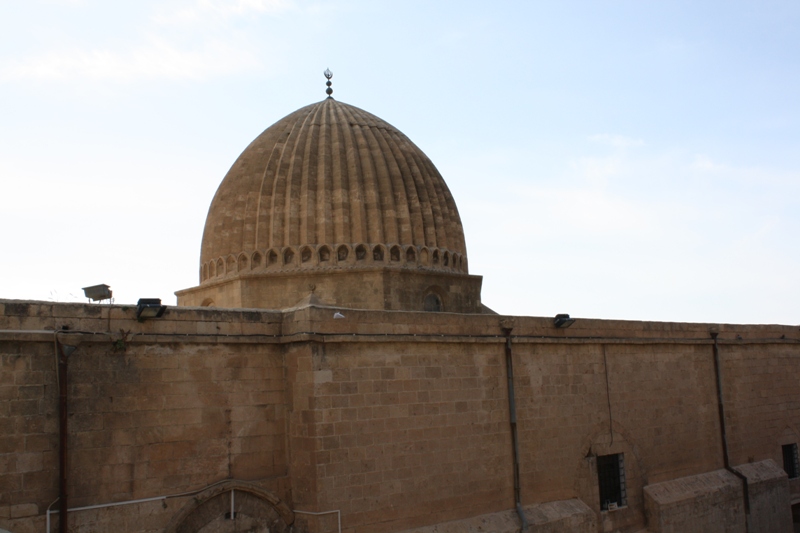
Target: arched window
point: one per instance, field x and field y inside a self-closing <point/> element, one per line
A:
<point x="433" y="303"/>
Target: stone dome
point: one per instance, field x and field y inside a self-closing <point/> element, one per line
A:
<point x="333" y="206"/>
<point x="324" y="188"/>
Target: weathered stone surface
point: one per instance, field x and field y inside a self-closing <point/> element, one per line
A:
<point x="566" y="516"/>
<point x="397" y="419"/>
<point x="710" y="502"/>
<point x="334" y="198"/>
<point x="770" y="500"/>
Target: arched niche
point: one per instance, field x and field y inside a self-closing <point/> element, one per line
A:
<point x="433" y="301"/>
<point x="394" y="254"/>
<point x="272" y="258"/>
<point x="324" y="254"/>
<point x="242" y="262"/>
<point x="288" y="256"/>
<point x="215" y="511"/>
<point x="411" y="255"/>
<point x="342" y="252"/>
<point x="306" y="254"/>
<point x="220" y="267"/>
<point x="230" y="264"/>
<point x="256" y="260"/>
<point x="361" y="252"/>
<point x="378" y="253"/>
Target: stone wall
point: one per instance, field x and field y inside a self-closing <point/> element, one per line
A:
<point x="155" y="409"/>
<point x="396" y="420"/>
<point x="705" y="503"/>
<point x="362" y="288"/>
<point x="768" y="493"/>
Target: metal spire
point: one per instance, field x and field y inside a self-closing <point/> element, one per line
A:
<point x="328" y="74"/>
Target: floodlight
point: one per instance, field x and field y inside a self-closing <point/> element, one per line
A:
<point x="97" y="292"/>
<point x="149" y="308"/>
<point x="563" y="321"/>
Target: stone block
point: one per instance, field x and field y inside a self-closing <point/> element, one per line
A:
<point x="565" y="516"/>
<point x="24" y="509"/>
<point x="706" y="503"/>
<point x="29" y="462"/>
<point x="770" y="499"/>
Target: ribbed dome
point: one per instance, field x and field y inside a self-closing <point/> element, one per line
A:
<point x="326" y="183"/>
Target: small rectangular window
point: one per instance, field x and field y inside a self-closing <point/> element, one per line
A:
<point x="790" y="463"/>
<point x="611" y="478"/>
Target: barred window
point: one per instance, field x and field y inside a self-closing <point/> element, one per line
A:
<point x="611" y="478"/>
<point x="790" y="463"/>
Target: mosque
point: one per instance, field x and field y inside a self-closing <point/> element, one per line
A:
<point x="335" y="371"/>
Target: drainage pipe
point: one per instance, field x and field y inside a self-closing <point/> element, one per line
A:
<point x="61" y="358"/>
<point x="512" y="414"/>
<point x="724" y="435"/>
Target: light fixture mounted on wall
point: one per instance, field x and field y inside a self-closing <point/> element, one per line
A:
<point x="98" y="293"/>
<point x="149" y="308"/>
<point x="563" y="321"/>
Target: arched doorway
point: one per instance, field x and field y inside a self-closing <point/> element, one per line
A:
<point x="233" y="507"/>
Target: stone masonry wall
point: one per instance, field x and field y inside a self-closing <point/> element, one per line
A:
<point x="397" y="420"/>
<point x="762" y="399"/>
<point x="407" y="421"/>
<point x="151" y="413"/>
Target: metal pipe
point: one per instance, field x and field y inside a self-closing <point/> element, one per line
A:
<point x="512" y="414"/>
<point x="62" y="434"/>
<point x="129" y="502"/>
<point x="724" y="435"/>
<point x="337" y="511"/>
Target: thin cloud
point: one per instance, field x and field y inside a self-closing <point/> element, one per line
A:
<point x="617" y="141"/>
<point x="156" y="59"/>
<point x="73" y="3"/>
<point x="704" y="165"/>
<point x="202" y="10"/>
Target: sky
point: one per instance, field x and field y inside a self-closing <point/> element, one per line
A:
<point x="634" y="160"/>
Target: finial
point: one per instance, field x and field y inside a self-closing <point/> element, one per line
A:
<point x="328" y="74"/>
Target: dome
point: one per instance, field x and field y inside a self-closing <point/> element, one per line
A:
<point x="324" y="183"/>
<point x="332" y="205"/>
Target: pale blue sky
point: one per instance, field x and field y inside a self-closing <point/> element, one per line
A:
<point x="610" y="159"/>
